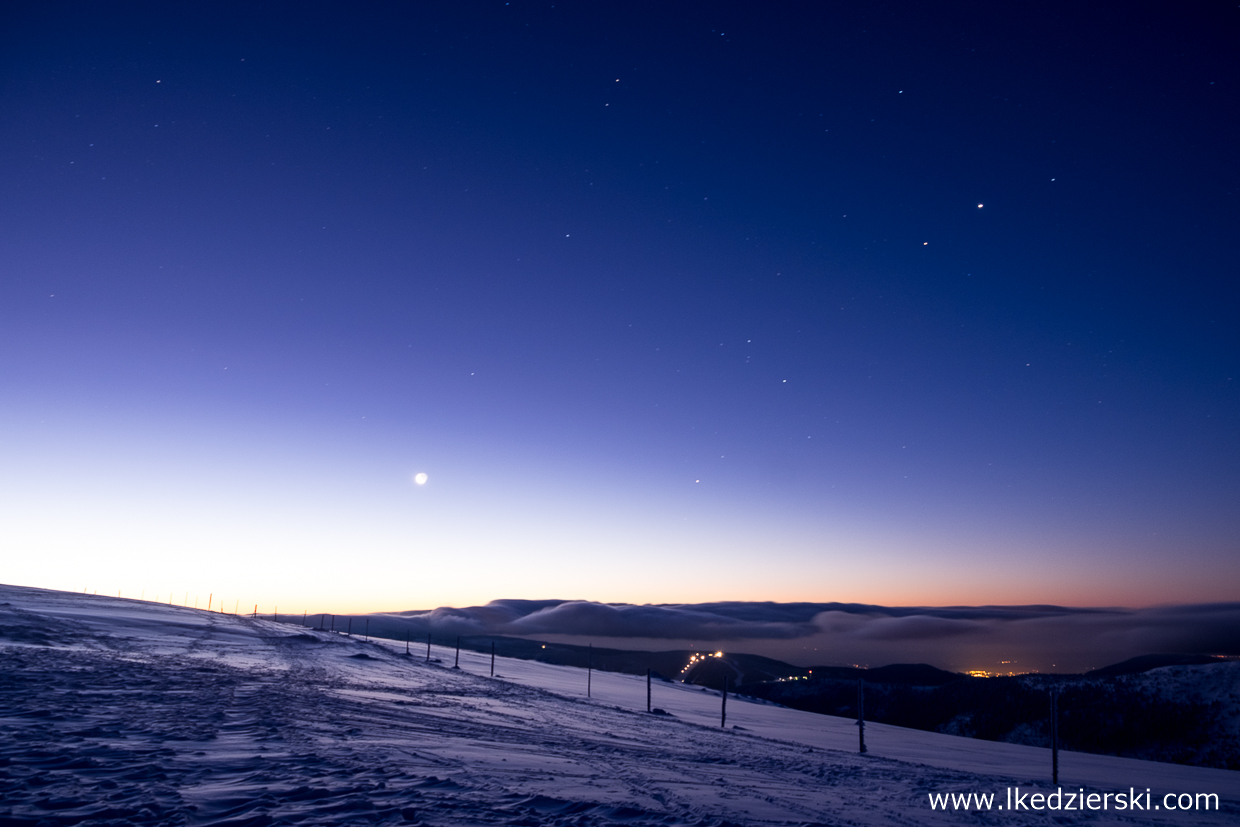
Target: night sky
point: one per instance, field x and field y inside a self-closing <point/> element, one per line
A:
<point x="906" y="304"/>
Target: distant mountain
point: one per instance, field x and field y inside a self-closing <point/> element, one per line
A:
<point x="911" y="674"/>
<point x="1144" y="663"/>
<point x="689" y="666"/>
<point x="699" y="667"/>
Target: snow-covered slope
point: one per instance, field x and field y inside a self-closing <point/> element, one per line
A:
<point x="122" y="711"/>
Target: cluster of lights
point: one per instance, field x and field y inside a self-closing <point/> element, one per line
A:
<point x="696" y="658"/>
<point x="983" y="673"/>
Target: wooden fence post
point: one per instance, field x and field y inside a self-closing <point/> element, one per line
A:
<point x="457" y="664"/>
<point x="861" y="713"/>
<point x="589" y="668"/>
<point x="1054" y="735"/>
<point x="723" y="709"/>
<point x="647" y="690"/>
<point x="428" y="647"/>
<point x="492" y="658"/>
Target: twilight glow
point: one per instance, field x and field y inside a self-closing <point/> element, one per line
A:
<point x="407" y="307"/>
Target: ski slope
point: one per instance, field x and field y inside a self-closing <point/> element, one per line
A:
<point x="127" y="712"/>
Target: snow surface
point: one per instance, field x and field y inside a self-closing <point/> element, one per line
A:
<point x="127" y="712"/>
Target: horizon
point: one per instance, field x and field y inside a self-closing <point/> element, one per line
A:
<point x="966" y="639"/>
<point x="387" y="307"/>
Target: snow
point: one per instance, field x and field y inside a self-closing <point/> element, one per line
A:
<point x="126" y="712"/>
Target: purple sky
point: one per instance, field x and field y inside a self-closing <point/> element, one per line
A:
<point x="883" y="303"/>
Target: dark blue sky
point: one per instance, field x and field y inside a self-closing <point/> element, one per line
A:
<point x="671" y="302"/>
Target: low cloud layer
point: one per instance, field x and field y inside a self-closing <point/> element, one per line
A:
<point x="998" y="638"/>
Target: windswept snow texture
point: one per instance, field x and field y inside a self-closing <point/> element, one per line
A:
<point x="124" y="712"/>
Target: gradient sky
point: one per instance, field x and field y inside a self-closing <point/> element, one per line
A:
<point x="891" y="303"/>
